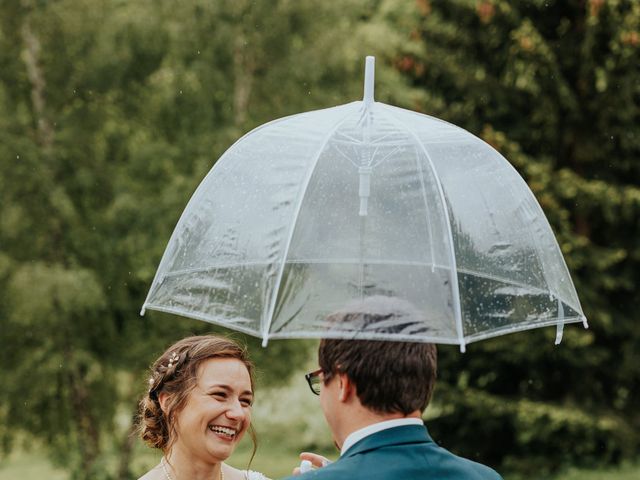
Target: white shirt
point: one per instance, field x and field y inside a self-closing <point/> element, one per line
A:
<point x="358" y="435"/>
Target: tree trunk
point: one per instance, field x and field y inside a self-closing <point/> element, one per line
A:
<point x="89" y="436"/>
<point x="126" y="448"/>
<point x="243" y="72"/>
<point x="31" y="58"/>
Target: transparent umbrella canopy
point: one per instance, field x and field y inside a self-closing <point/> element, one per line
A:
<point x="310" y="212"/>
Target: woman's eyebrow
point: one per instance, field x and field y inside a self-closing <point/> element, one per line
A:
<point x="219" y="385"/>
<point x="227" y="388"/>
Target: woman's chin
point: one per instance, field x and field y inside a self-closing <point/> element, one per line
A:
<point x="219" y="446"/>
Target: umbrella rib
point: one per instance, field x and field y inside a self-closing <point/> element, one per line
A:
<point x="378" y="141"/>
<point x="520" y="328"/>
<point x="555" y="247"/>
<point x="346" y="156"/>
<point x="392" y="152"/>
<point x="454" y="273"/>
<point x="158" y="277"/>
<point x="187" y="271"/>
<point x="350" y="138"/>
<point x="303" y="190"/>
<point x="202" y="317"/>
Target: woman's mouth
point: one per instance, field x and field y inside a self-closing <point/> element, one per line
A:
<point x="227" y="433"/>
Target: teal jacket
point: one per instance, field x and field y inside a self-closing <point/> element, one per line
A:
<point x="403" y="453"/>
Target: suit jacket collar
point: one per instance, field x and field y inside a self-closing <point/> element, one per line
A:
<point x="391" y="436"/>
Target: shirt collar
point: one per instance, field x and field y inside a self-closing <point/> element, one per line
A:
<point x="355" y="437"/>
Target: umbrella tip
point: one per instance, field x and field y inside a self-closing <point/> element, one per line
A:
<point x="142" y="311"/>
<point x="369" y="77"/>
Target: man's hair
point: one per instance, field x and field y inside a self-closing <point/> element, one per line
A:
<point x="389" y="376"/>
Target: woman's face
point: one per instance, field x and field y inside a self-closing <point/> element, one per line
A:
<point x="217" y="412"/>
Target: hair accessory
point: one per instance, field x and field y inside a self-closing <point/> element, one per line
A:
<point x="173" y="359"/>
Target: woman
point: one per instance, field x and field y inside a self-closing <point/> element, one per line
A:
<point x="198" y="408"/>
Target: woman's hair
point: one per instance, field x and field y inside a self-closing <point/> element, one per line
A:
<point x="176" y="373"/>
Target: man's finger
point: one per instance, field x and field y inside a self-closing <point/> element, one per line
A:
<point x="315" y="459"/>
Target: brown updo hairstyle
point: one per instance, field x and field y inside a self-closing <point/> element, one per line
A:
<point x="176" y="373"/>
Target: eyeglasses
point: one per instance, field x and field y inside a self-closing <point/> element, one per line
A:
<point x="314" y="380"/>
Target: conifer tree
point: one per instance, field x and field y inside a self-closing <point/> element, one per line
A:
<point x="553" y="86"/>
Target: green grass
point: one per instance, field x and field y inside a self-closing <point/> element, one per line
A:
<point x="27" y="466"/>
<point x="270" y="460"/>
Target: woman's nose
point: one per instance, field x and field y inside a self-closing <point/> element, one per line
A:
<point x="235" y="410"/>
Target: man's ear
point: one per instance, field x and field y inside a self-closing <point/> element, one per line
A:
<point x="347" y="388"/>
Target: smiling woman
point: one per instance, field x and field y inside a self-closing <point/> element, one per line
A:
<point x="198" y="408"/>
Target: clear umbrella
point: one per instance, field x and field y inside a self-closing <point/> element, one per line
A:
<point x="310" y="212"/>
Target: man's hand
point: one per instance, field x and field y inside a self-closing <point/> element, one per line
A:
<point x="316" y="460"/>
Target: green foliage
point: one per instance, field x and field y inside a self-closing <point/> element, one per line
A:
<point x="56" y="384"/>
<point x="527" y="437"/>
<point x="111" y="112"/>
<point x="554" y="87"/>
<point x="110" y="115"/>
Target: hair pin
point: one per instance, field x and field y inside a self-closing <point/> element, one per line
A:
<point x="173" y="359"/>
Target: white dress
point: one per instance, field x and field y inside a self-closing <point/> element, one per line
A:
<point x="251" y="475"/>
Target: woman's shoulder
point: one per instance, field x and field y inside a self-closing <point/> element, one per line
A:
<point x="251" y="475"/>
<point x="234" y="474"/>
<point x="154" y="474"/>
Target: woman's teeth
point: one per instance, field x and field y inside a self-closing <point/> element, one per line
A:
<point x="229" y="432"/>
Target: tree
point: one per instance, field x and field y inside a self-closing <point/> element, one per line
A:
<point x="111" y="113"/>
<point x="554" y="87"/>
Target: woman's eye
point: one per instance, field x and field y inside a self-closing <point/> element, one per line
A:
<point x="219" y="394"/>
<point x="246" y="402"/>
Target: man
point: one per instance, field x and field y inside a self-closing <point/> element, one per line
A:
<point x="372" y="394"/>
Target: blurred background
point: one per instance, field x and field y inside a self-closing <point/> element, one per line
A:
<point x="112" y="111"/>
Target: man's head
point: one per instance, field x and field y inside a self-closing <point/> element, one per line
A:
<point x="389" y="377"/>
<point x="386" y="379"/>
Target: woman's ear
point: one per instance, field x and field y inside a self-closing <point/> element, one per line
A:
<point x="163" y="400"/>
